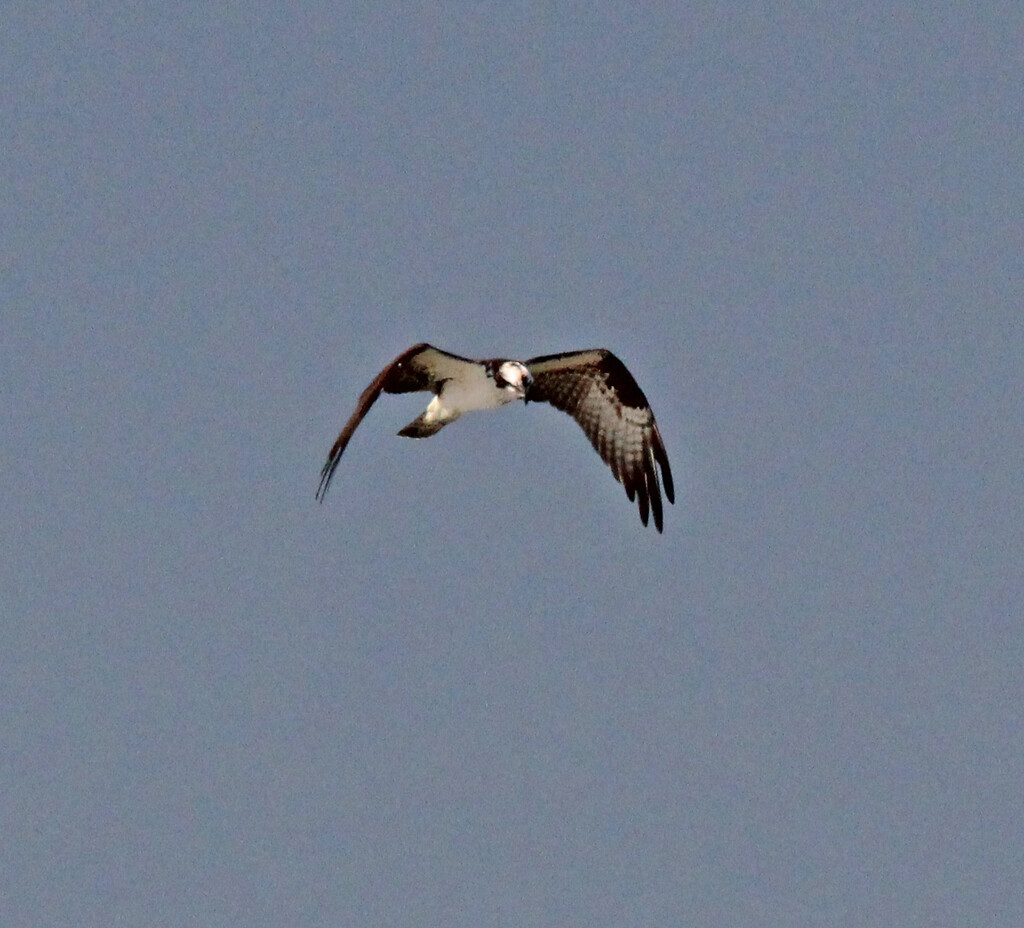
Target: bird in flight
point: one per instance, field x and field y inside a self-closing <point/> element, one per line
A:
<point x="594" y="387"/>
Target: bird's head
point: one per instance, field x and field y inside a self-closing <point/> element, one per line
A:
<point x="514" y="378"/>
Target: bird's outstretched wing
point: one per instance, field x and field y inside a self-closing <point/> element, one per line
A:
<point x="598" y="391"/>
<point x="422" y="367"/>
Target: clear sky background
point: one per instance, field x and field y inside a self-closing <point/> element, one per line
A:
<point x="470" y="689"/>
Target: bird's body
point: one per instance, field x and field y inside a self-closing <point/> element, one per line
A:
<point x="470" y="388"/>
<point x="594" y="387"/>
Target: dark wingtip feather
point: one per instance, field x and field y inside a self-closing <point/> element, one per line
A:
<point x="630" y="486"/>
<point x="325" y="480"/>
<point x="666" y="472"/>
<point x="327" y="471"/>
<point x="655" y="492"/>
<point x="644" y="502"/>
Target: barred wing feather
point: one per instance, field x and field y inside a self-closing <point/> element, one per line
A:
<point x="598" y="391"/>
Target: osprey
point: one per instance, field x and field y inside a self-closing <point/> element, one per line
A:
<point x="594" y="387"/>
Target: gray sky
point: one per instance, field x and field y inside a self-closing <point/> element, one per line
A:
<point x="471" y="689"/>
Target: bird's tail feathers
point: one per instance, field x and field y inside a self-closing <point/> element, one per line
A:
<point x="421" y="428"/>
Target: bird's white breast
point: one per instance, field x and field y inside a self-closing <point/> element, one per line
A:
<point x="475" y="390"/>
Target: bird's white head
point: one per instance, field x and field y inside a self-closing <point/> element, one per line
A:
<point x="513" y="377"/>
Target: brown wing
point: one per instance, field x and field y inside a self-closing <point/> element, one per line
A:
<point x="422" y="367"/>
<point x="599" y="392"/>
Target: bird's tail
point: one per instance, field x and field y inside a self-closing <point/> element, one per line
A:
<point x="421" y="428"/>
